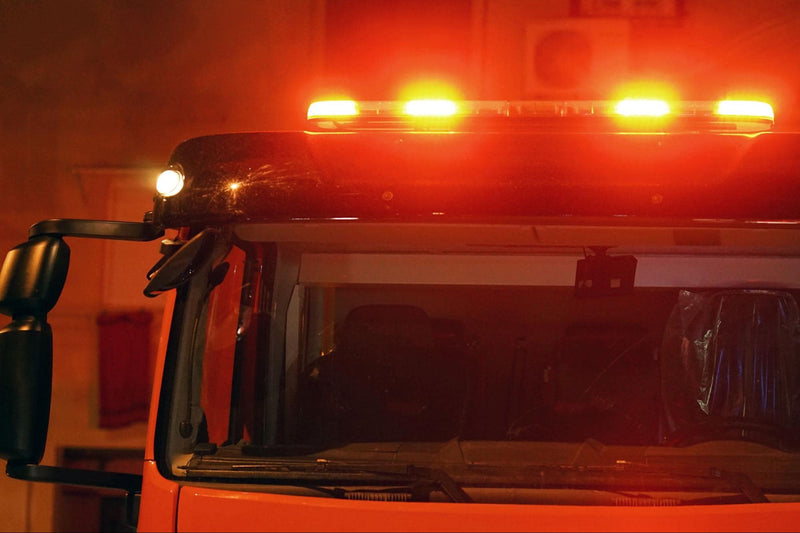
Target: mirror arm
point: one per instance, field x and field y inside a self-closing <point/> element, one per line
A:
<point x="97" y="229"/>
<point x="131" y="483"/>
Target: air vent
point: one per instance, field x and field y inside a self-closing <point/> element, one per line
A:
<point x="646" y="502"/>
<point x="378" y="496"/>
<point x="575" y="58"/>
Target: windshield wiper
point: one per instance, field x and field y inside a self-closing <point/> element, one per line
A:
<point x="742" y="482"/>
<point x="425" y="480"/>
<point x="434" y="478"/>
<point x="387" y="480"/>
<point x="418" y="478"/>
<point x="735" y="480"/>
<point x="415" y="479"/>
<point x="443" y="480"/>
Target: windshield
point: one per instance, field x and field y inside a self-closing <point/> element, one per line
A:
<point x="347" y="356"/>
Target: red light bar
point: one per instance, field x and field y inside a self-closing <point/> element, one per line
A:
<point x="627" y="115"/>
<point x="430" y="108"/>
<point x="641" y="107"/>
<point x="745" y="108"/>
<point x="332" y="109"/>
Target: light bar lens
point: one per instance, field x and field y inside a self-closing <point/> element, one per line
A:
<point x="627" y="115"/>
<point x="170" y="182"/>
<point x="332" y="109"/>
<point x="641" y="107"/>
<point x="430" y="108"/>
<point x="745" y="108"/>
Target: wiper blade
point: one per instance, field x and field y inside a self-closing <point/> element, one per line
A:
<point x="307" y="473"/>
<point x="415" y="482"/>
<point x="735" y="480"/>
<point x="425" y="481"/>
<point x="446" y="483"/>
<point x="418" y="476"/>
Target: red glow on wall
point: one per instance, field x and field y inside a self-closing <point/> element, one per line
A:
<point x="373" y="48"/>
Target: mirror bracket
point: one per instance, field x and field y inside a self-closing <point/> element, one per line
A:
<point x="75" y="476"/>
<point x="31" y="279"/>
<point x="97" y="229"/>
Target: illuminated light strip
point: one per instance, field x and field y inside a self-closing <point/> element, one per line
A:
<point x="640" y="107"/>
<point x="745" y="108"/>
<point x="430" y="108"/>
<point x="332" y="108"/>
<point x="633" y="114"/>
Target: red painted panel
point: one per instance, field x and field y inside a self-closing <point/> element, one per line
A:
<point x="159" y="501"/>
<point x="161" y="356"/>
<point x="203" y="509"/>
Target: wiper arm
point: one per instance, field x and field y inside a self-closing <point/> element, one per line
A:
<point x="426" y="480"/>
<point x="432" y="478"/>
<point x="446" y="483"/>
<point x="742" y="482"/>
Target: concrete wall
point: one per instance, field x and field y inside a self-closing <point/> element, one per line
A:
<point x="95" y="94"/>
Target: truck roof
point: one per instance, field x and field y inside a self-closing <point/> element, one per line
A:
<point x="445" y="176"/>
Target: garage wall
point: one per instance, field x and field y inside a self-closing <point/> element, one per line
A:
<point x="95" y="94"/>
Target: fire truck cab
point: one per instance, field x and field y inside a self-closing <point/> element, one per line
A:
<point x="436" y="315"/>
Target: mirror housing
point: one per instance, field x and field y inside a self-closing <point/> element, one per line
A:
<point x="32" y="276"/>
<point x="26" y="373"/>
<point x="31" y="280"/>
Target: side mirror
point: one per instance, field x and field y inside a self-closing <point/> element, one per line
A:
<point x="31" y="280"/>
<point x="26" y="373"/>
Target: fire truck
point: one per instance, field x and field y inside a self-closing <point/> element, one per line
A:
<point x="455" y="315"/>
